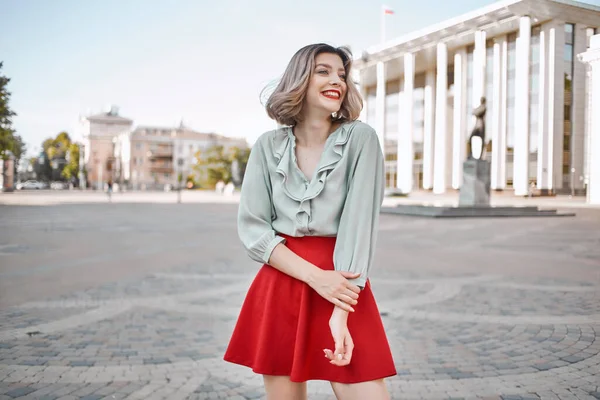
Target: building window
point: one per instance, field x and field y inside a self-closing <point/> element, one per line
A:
<point x="138" y="146"/>
<point x="392" y="99"/>
<point x="418" y="115"/>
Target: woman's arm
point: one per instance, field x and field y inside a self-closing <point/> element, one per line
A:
<point x="357" y="230"/>
<point x="357" y="234"/>
<point x="264" y="245"/>
<point x="331" y="285"/>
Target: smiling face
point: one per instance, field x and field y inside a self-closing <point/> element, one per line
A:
<point x="327" y="87"/>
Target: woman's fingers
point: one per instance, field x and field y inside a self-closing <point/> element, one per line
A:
<point x="336" y="360"/>
<point x="341" y="304"/>
<point x="353" y="287"/>
<point x="343" y="352"/>
<point x="339" y="349"/>
<point x="348" y="348"/>
<point x="350" y="295"/>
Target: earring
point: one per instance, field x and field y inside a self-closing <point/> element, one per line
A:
<point x="334" y="115"/>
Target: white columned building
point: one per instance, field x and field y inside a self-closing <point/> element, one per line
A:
<point x="521" y="55"/>
<point x="498" y="128"/>
<point x="439" y="164"/>
<point x="380" y="103"/>
<point x="592" y="58"/>
<point x="521" y="149"/>
<point x="428" y="128"/>
<point x="459" y="117"/>
<point x="405" y="123"/>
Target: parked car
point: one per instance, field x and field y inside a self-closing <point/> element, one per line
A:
<point x="30" y="185"/>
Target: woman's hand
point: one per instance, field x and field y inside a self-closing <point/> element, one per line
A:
<point x="333" y="286"/>
<point x="338" y="323"/>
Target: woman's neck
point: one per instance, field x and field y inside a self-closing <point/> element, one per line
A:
<point x="313" y="132"/>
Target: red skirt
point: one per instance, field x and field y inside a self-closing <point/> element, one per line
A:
<point x="283" y="326"/>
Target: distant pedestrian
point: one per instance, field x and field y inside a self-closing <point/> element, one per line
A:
<point x="229" y="189"/>
<point x="109" y="190"/>
<point x="309" y="211"/>
<point x="220" y="186"/>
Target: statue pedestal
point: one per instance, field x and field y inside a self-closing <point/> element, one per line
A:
<point x="475" y="189"/>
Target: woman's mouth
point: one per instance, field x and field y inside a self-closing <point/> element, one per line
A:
<point x="331" y="94"/>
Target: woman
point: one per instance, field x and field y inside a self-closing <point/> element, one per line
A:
<point x="309" y="211"/>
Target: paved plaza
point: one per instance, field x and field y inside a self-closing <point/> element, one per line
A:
<point x="136" y="299"/>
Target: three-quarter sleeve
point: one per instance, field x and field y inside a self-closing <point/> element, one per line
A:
<point x="357" y="233"/>
<point x="254" y="213"/>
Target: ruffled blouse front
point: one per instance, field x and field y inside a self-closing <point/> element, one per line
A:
<point x="342" y="198"/>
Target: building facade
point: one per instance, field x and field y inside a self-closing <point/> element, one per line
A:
<point x="420" y="91"/>
<point x="142" y="157"/>
<point x="154" y="157"/>
<point x="592" y="58"/>
<point x="98" y="132"/>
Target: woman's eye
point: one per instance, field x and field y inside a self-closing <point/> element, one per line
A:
<point x="322" y="72"/>
<point x="343" y="77"/>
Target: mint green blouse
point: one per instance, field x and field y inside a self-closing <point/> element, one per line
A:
<point x="342" y="199"/>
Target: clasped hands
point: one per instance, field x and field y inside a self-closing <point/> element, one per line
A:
<point x="334" y="287"/>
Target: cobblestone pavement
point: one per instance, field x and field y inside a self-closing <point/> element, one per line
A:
<point x="137" y="301"/>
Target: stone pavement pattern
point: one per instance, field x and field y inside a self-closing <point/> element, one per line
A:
<point x="137" y="301"/>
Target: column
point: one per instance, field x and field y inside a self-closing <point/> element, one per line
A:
<point x="404" y="169"/>
<point x="521" y="151"/>
<point x="441" y="95"/>
<point x="551" y="100"/>
<point x="556" y="109"/>
<point x="592" y="57"/>
<point x="503" y="113"/>
<point x="498" y="136"/>
<point x="380" y="105"/>
<point x="459" y="122"/>
<point x="543" y="178"/>
<point x="479" y="59"/>
<point x="428" y="124"/>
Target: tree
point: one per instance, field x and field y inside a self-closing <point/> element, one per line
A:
<point x="241" y="156"/>
<point x="57" y="156"/>
<point x="212" y="166"/>
<point x="19" y="148"/>
<point x="71" y="169"/>
<point x="6" y="114"/>
<point x="58" y="146"/>
<point x="8" y="142"/>
<point x="215" y="164"/>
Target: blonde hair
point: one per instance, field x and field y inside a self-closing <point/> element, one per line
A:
<point x="285" y="104"/>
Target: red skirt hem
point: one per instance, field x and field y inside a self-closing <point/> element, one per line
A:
<point x="323" y="377"/>
<point x="283" y="326"/>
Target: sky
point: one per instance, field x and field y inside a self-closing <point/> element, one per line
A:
<point x="163" y="62"/>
